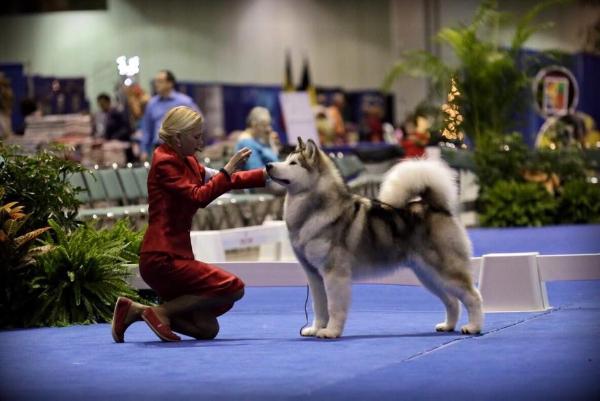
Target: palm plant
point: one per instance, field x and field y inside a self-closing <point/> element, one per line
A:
<point x="487" y="75"/>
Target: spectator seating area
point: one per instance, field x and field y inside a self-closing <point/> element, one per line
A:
<point x="116" y="192"/>
<point x="112" y="192"/>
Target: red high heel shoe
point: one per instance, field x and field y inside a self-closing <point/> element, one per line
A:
<point x="162" y="330"/>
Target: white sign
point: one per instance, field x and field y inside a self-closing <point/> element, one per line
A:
<point x="298" y="116"/>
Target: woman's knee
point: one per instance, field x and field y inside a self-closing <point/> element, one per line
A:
<point x="208" y="327"/>
<point x="212" y="329"/>
<point x="238" y="295"/>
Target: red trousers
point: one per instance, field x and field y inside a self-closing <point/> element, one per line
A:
<point x="171" y="277"/>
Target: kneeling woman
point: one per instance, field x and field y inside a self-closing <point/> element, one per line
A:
<point x="194" y="293"/>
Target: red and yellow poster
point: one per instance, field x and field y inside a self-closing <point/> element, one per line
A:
<point x="556" y="95"/>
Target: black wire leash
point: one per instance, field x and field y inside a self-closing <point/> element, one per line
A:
<point x="305" y="311"/>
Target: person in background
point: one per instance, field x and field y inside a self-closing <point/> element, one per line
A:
<point x="193" y="293"/>
<point x="260" y="138"/>
<point x="335" y="112"/>
<point x="112" y="124"/>
<point x="373" y="123"/>
<point x="323" y="124"/>
<point x="134" y="100"/>
<point x="6" y="103"/>
<point x="165" y="99"/>
<point x="324" y="127"/>
<point x="416" y="136"/>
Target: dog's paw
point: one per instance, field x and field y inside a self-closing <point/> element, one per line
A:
<point x="309" y="331"/>
<point x="443" y="327"/>
<point x="470" y="329"/>
<point x="328" y="333"/>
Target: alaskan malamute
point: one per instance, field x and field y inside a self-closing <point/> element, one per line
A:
<point x="338" y="236"/>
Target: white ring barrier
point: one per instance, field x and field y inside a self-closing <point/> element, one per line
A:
<point x="508" y="282"/>
<point x="272" y="237"/>
<point x="512" y="282"/>
<point x="498" y="283"/>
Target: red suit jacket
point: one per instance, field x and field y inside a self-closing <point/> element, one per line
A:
<point x="176" y="189"/>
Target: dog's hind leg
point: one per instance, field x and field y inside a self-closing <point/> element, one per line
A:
<point x="338" y="285"/>
<point x="319" y="301"/>
<point x="458" y="282"/>
<point x="471" y="298"/>
<point x="433" y="284"/>
<point x="451" y="262"/>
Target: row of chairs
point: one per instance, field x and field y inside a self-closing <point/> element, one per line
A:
<point x="112" y="192"/>
<point x="355" y="174"/>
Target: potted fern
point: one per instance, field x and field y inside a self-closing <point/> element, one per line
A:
<point x="79" y="280"/>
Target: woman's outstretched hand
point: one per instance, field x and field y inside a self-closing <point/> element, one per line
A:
<point x="237" y="161"/>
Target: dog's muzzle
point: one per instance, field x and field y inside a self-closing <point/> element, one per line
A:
<point x="282" y="181"/>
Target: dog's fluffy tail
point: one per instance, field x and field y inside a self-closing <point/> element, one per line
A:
<point x="431" y="180"/>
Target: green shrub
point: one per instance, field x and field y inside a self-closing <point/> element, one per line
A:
<point x="567" y="163"/>
<point x="500" y="158"/>
<point x="39" y="183"/>
<point x="80" y="279"/>
<point x="503" y="166"/>
<point x="579" y="202"/>
<point x="514" y="204"/>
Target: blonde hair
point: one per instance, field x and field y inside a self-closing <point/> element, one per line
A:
<point x="180" y="120"/>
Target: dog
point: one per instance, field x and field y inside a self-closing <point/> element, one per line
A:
<point x="338" y="236"/>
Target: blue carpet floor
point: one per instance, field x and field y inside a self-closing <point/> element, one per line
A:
<point x="549" y="240"/>
<point x="389" y="352"/>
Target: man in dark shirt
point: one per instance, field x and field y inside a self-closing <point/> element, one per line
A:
<point x="115" y="124"/>
<point x="112" y="124"/>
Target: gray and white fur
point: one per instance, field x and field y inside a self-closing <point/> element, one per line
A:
<point x="338" y="236"/>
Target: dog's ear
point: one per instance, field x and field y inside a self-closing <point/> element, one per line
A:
<point x="311" y="149"/>
<point x="301" y="145"/>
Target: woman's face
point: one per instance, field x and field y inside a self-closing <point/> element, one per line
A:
<point x="192" y="142"/>
<point x="262" y="128"/>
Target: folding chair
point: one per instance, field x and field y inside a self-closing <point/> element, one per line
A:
<point x="77" y="182"/>
<point x="141" y="177"/>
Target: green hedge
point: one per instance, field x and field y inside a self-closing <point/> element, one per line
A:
<point x="510" y="203"/>
<point x="504" y="164"/>
<point x="579" y="203"/>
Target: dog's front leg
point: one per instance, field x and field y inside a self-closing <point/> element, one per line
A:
<point x="317" y="291"/>
<point x="338" y="284"/>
